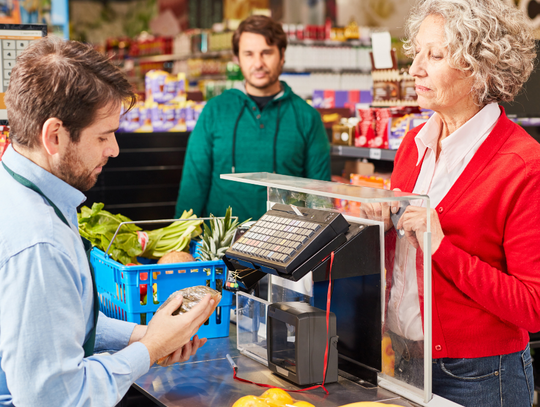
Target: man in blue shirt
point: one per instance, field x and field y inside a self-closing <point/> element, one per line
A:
<point x="64" y="102"/>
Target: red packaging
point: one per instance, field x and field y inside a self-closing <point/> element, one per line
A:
<point x="300" y="32"/>
<point x="329" y="99"/>
<point x="364" y="129"/>
<point x="354" y="98"/>
<point x="382" y="118"/>
<point x="328" y="29"/>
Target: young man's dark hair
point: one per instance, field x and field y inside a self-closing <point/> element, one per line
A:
<point x="271" y="30"/>
<point x="63" y="79"/>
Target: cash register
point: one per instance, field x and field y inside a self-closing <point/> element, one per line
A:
<point x="289" y="242"/>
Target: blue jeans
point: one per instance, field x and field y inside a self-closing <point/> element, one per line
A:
<point x="495" y="381"/>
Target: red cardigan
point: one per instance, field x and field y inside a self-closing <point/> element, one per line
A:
<point x="486" y="272"/>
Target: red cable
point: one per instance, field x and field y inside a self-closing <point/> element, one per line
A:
<point x="328" y="298"/>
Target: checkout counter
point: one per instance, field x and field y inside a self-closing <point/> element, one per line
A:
<point x="206" y="380"/>
<point x="357" y="301"/>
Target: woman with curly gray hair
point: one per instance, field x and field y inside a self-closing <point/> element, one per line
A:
<point x="482" y="174"/>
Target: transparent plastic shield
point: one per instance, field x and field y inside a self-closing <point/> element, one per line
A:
<point x="251" y="313"/>
<point x="386" y="292"/>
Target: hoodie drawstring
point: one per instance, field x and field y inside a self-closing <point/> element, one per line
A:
<point x="233" y="169"/>
<point x="275" y="137"/>
<point x="234" y="138"/>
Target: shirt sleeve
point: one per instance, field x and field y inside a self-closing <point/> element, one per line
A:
<point x="112" y="334"/>
<point x="43" y="327"/>
<point x="317" y="164"/>
<point x="198" y="164"/>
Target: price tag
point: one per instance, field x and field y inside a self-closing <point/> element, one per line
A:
<point x="375" y="153"/>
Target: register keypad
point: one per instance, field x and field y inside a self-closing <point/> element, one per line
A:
<point x="275" y="238"/>
<point x="286" y="236"/>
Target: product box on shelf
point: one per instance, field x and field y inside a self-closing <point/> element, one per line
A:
<point x="162" y="87"/>
<point x="134" y="293"/>
<point x="4" y="140"/>
<point x="386" y="127"/>
<point x="328" y="99"/>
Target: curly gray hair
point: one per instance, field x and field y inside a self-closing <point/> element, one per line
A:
<point x="489" y="39"/>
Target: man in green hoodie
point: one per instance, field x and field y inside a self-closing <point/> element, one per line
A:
<point x="266" y="128"/>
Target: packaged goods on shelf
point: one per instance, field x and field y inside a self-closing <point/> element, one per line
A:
<point x="202" y="41"/>
<point x="306" y="57"/>
<point x="298" y="32"/>
<point x="146" y="46"/>
<point x="4" y="140"/>
<point x="386" y="127"/>
<point x="343" y="133"/>
<point x="392" y="87"/>
<point x="307" y="84"/>
<point x="162" y="87"/>
<point x="156" y="117"/>
<point x="328" y="99"/>
<point x="213" y="88"/>
<point x="401" y="125"/>
<point x="373" y="181"/>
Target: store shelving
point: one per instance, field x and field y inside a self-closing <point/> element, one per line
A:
<point x="182" y="57"/>
<point x="142" y="182"/>
<point x="361" y="152"/>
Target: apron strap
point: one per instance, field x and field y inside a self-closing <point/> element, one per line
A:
<point x="88" y="346"/>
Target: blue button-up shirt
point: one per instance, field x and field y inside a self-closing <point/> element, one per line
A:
<point x="46" y="298"/>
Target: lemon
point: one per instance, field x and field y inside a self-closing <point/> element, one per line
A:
<point x="277" y="397"/>
<point x="250" y="401"/>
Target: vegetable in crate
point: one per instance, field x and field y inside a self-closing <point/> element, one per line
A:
<point x="175" y="256"/>
<point x="217" y="238"/>
<point x="99" y="226"/>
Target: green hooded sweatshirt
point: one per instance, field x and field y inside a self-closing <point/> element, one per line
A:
<point x="300" y="147"/>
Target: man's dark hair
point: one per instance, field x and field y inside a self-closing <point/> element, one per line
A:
<point x="67" y="80"/>
<point x="265" y="26"/>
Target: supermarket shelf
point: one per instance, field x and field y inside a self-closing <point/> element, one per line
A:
<point x="325" y="70"/>
<point x="329" y="43"/>
<point x="360" y="152"/>
<point x="181" y="57"/>
<point x="216" y="77"/>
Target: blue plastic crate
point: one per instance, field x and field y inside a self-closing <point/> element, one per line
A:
<point x="120" y="296"/>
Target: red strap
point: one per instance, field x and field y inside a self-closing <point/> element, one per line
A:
<point x="329" y="296"/>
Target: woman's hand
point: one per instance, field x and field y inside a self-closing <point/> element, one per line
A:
<point x="414" y="223"/>
<point x="380" y="211"/>
<point x="377" y="211"/>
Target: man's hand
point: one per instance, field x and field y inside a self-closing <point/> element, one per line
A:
<point x="184" y="353"/>
<point x="169" y="336"/>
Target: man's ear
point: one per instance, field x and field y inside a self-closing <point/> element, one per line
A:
<point x="52" y="135"/>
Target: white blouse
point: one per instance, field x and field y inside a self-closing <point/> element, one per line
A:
<point x="435" y="180"/>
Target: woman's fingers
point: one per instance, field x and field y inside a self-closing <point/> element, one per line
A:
<point x="414" y="223"/>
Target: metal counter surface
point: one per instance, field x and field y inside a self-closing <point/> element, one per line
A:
<point x="206" y="380"/>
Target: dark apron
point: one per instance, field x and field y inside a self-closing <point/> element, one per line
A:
<point x="88" y="346"/>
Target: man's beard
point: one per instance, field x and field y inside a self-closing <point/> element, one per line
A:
<point x="271" y="79"/>
<point x="71" y="170"/>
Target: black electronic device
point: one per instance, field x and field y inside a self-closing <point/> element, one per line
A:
<point x="297" y="340"/>
<point x="14" y="38"/>
<point x="288" y="241"/>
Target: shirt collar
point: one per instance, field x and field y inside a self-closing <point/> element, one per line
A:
<point x="458" y="144"/>
<point x="61" y="193"/>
